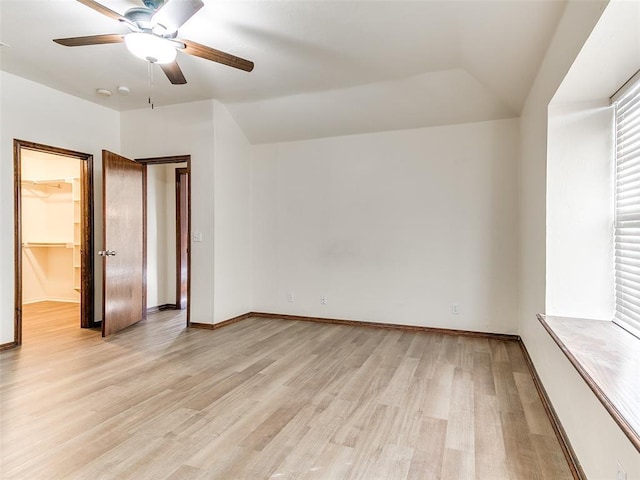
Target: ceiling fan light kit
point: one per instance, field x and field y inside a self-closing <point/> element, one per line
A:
<point x="150" y="47"/>
<point x="154" y="29"/>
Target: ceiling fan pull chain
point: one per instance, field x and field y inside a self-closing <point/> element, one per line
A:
<point x="150" y="74"/>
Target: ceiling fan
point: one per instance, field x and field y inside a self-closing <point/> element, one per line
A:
<point x="153" y="35"/>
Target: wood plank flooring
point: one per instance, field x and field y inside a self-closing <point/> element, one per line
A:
<point x="264" y="399"/>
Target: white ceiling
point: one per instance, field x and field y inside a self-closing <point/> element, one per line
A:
<point x="321" y="67"/>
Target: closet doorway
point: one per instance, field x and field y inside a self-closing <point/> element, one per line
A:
<point x="168" y="206"/>
<point x="53" y="229"/>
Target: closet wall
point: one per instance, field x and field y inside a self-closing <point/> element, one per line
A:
<point x="51" y="215"/>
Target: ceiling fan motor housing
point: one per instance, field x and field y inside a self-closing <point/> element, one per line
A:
<point x="153" y="4"/>
<point x="140" y="17"/>
<point x="141" y="20"/>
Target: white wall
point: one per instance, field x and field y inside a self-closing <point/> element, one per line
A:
<point x="161" y="234"/>
<point x="29" y="111"/>
<point x="580" y="270"/>
<point x="32" y="112"/>
<point x="6" y="279"/>
<point x="220" y="273"/>
<point x="185" y="129"/>
<point x="156" y="240"/>
<point x="598" y="441"/>
<point x="232" y="216"/>
<point x="47" y="216"/>
<point x="392" y="227"/>
<point x="170" y="231"/>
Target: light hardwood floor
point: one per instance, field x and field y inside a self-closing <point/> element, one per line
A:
<point x="267" y="399"/>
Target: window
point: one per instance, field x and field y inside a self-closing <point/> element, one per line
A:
<point x="627" y="205"/>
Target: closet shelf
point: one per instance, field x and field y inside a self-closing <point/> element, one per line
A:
<point x="53" y="182"/>
<point x="47" y="244"/>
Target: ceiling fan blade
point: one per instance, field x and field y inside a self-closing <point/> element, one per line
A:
<point x="173" y="73"/>
<point x="175" y="13"/>
<point x="98" y="7"/>
<point x="90" y="40"/>
<point x="202" y="51"/>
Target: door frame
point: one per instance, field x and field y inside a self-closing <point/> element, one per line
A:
<point x="175" y="159"/>
<point x="87" y="282"/>
<point x="181" y="174"/>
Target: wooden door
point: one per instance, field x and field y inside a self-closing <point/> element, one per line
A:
<point x="123" y="251"/>
<point x="182" y="236"/>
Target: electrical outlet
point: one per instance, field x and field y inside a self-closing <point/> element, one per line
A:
<point x="290" y="297"/>
<point x="323" y="299"/>
<point x="455" y="309"/>
<point x="622" y="475"/>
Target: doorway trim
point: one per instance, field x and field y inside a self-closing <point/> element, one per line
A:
<point x="182" y="234"/>
<point x="176" y="159"/>
<point x="87" y="285"/>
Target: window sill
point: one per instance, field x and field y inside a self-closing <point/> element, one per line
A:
<point x="608" y="359"/>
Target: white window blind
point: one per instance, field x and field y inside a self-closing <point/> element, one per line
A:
<point x="627" y="207"/>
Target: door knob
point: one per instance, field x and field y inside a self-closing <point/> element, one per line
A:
<point x="107" y="253"/>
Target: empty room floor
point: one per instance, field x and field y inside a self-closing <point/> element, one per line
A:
<point x="268" y="399"/>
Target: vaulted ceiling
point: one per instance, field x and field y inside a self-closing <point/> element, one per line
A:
<point x="322" y="68"/>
